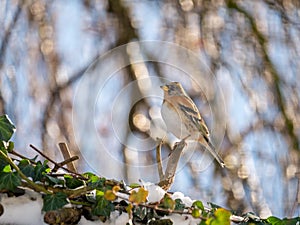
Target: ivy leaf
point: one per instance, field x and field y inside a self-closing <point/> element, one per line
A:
<point x="54" y="180"/>
<point x="285" y="221"/>
<point x="26" y="167"/>
<point x="7" y="128"/>
<point x="140" y="212"/>
<point x="203" y="222"/>
<point x="95" y="181"/>
<point x="138" y="197"/>
<point x="103" y="207"/>
<point x="89" y="175"/>
<point x="198" y="204"/>
<point x="40" y="170"/>
<point x="7" y="169"/>
<point x="34" y="158"/>
<point x="10" y="146"/>
<point x="196" y="213"/>
<point x="291" y="221"/>
<point x="129" y="210"/>
<point x="54" y="201"/>
<point x="3" y="162"/>
<point x="221" y="217"/>
<point x="179" y="205"/>
<point x="168" y="203"/>
<point x="72" y="182"/>
<point x="274" y="220"/>
<point x="110" y="195"/>
<point x="116" y="188"/>
<point x="9" y="180"/>
<point x="134" y="185"/>
<point x="214" y="206"/>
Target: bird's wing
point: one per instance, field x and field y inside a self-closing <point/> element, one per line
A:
<point x="190" y="110"/>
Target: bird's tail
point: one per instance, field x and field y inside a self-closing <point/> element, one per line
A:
<point x="212" y="151"/>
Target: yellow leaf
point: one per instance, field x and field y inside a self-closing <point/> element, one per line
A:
<point x="138" y="197"/>
<point x="221" y="217"/>
<point x="129" y="210"/>
<point x="110" y="195"/>
<point x="116" y="188"/>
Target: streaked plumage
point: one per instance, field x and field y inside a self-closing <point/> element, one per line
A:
<point x="183" y="119"/>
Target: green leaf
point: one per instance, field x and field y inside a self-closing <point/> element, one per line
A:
<point x="140" y="212"/>
<point x="214" y="206"/>
<point x="89" y="175"/>
<point x="203" y="222"/>
<point x="221" y="217"/>
<point x="26" y="167"/>
<point x="198" y="204"/>
<point x="34" y="158"/>
<point x="179" y="205"/>
<point x="54" y="201"/>
<point x="72" y="182"/>
<point x="134" y="185"/>
<point x="3" y="163"/>
<point x="54" y="180"/>
<point x="9" y="180"/>
<point x="291" y="221"/>
<point x="103" y="207"/>
<point x="7" y="169"/>
<point x="196" y="213"/>
<point x="95" y="181"/>
<point x="285" y="221"/>
<point x="274" y="220"/>
<point x="168" y="203"/>
<point x="7" y="128"/>
<point x="40" y="170"/>
<point x="10" y="146"/>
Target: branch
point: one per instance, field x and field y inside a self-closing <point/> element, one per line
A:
<point x="158" y="160"/>
<point x="172" y="165"/>
<point x="33" y="185"/>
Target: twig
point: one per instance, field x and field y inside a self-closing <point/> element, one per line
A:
<point x="55" y="163"/>
<point x="158" y="160"/>
<point x="69" y="160"/>
<point x="21" y="156"/>
<point x="67" y="156"/>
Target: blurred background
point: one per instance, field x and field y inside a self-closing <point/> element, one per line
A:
<point x="88" y="73"/>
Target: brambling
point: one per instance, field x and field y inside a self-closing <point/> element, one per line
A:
<point x="183" y="119"/>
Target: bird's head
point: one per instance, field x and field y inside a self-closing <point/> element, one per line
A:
<point x="173" y="88"/>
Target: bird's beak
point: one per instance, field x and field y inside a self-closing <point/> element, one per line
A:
<point x="164" y="87"/>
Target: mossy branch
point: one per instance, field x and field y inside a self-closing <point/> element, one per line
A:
<point x="33" y="185"/>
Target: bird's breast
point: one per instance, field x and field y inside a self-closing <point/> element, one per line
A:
<point x="175" y="122"/>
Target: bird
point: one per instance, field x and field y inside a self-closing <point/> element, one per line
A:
<point x="183" y="119"/>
